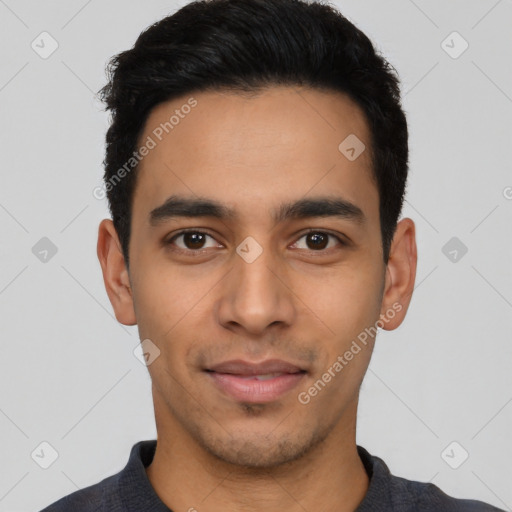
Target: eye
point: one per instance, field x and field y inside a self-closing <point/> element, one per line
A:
<point x="194" y="241"/>
<point x="318" y="240"/>
<point x="191" y="240"/>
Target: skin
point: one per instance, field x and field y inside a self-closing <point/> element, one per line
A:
<point x="294" y="302"/>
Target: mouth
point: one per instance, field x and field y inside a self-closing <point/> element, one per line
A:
<point x="255" y="382"/>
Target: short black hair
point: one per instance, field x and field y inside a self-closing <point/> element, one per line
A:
<point x="246" y="46"/>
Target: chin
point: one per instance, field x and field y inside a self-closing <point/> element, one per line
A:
<point x="258" y="451"/>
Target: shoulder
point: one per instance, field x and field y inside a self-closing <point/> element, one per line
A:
<point x="113" y="493"/>
<point x="95" y="498"/>
<point x="428" y="497"/>
<point x="390" y="492"/>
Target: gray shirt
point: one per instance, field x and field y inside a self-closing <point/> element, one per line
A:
<point x="130" y="491"/>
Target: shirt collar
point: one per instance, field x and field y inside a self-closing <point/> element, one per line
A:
<point x="378" y="495"/>
<point x="136" y="492"/>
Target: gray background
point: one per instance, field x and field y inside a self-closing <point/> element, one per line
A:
<point x="68" y="374"/>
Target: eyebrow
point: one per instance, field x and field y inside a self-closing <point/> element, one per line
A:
<point x="179" y="206"/>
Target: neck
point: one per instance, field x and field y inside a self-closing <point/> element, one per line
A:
<point x="330" y="477"/>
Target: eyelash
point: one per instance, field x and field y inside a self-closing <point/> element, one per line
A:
<point x="199" y="252"/>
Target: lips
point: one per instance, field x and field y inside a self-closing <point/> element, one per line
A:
<point x="265" y="368"/>
<point x="262" y="382"/>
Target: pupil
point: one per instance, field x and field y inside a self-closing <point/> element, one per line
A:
<point x="316" y="237"/>
<point x="194" y="240"/>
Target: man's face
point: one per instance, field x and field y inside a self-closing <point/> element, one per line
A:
<point x="303" y="300"/>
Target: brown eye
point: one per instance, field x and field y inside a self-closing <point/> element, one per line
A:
<point x="191" y="240"/>
<point x="319" y="240"/>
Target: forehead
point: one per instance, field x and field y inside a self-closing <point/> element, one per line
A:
<point x="255" y="151"/>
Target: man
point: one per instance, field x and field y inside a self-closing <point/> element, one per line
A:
<point x="255" y="170"/>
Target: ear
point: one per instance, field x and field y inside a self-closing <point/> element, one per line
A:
<point x="115" y="274"/>
<point x="400" y="275"/>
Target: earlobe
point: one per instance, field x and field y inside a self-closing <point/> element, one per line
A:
<point x="115" y="273"/>
<point x="400" y="275"/>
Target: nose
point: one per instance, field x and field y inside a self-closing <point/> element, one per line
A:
<point x="256" y="295"/>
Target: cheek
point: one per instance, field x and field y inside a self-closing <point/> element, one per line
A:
<point x="346" y="299"/>
<point x="350" y="306"/>
<point x="172" y="312"/>
<point x="164" y="299"/>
